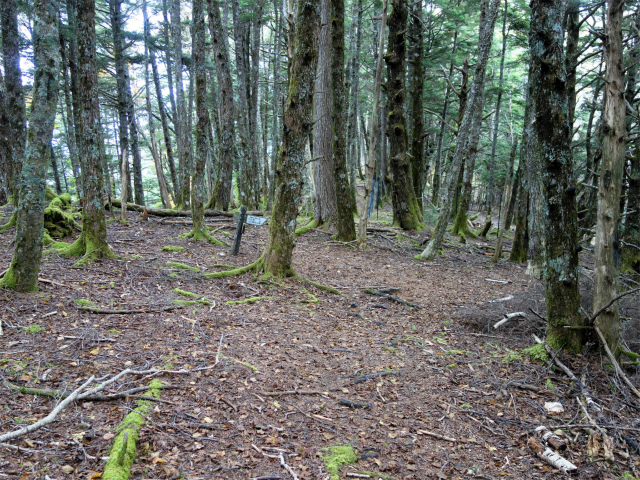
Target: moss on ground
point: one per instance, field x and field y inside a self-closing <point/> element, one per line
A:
<point x="172" y="248"/>
<point x="244" y="301"/>
<point x="83" y="302"/>
<point x="536" y="353"/>
<point x="123" y="450"/>
<point x="183" y="266"/>
<point x="337" y="456"/>
<point x="257" y="265"/>
<point x="199" y="299"/>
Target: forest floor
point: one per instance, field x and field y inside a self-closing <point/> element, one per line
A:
<point x="428" y="392"/>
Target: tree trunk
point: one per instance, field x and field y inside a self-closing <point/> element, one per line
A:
<point x="496" y="118"/>
<point x="370" y="167"/>
<point x="354" y="83"/>
<point x="172" y="100"/>
<point x="93" y="242"/>
<point x="5" y="153"/>
<point x="276" y="103"/>
<point x="325" y="185"/>
<point x="416" y="48"/>
<point x="222" y="191"/>
<point x="484" y="48"/>
<point x="550" y="107"/>
<point x="572" y="13"/>
<point x="180" y="121"/>
<point x="298" y="120"/>
<point x="406" y="211"/>
<point x="16" y="109"/>
<point x="54" y="168"/>
<point x="72" y="18"/>
<point x="162" y="184"/>
<point x="345" y="223"/>
<point x="506" y="200"/>
<point x="613" y="159"/>
<point x="25" y="263"/>
<point x="254" y="121"/>
<point x="138" y="189"/>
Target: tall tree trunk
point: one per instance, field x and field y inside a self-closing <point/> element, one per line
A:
<point x="166" y="27"/>
<point x="550" y="107"/>
<point x="416" y="48"/>
<point x="370" y="167"/>
<point x="484" y="48"/>
<point x="72" y="19"/>
<point x="164" y="121"/>
<point x="54" y="168"/>
<point x="138" y="189"/>
<point x="5" y="153"/>
<point x="325" y="185"/>
<point x="93" y="241"/>
<point x="276" y="103"/>
<point x="346" y="225"/>
<point x="354" y="83"/>
<point x="222" y="191"/>
<point x="162" y="184"/>
<point x="406" y="210"/>
<point x="613" y="159"/>
<point x="572" y="13"/>
<point x="243" y="113"/>
<point x="298" y="120"/>
<point x="25" y="263"/>
<point x="180" y="120"/>
<point x="16" y="109"/>
<point x="68" y="119"/>
<point x="496" y="118"/>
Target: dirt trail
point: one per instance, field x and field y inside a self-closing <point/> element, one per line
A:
<point x="397" y="383"/>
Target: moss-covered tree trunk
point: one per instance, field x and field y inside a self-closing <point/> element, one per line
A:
<point x="416" y="51"/>
<point x="180" y="120"/>
<point x="93" y="241"/>
<point x="297" y="127"/>
<point x="25" y="264"/>
<point x="222" y="190"/>
<point x="613" y="159"/>
<point x="484" y="48"/>
<point x="407" y="213"/>
<point x="16" y="110"/>
<point x="345" y="223"/>
<point x="551" y="110"/>
<point x="506" y="200"/>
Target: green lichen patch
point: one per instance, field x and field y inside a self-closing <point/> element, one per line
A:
<point x="336" y="457"/>
<point x="172" y="248"/>
<point x="244" y="301"/>
<point x="537" y="353"/>
<point x="199" y="299"/>
<point x="35" y="328"/>
<point x="123" y="450"/>
<point x="183" y="266"/>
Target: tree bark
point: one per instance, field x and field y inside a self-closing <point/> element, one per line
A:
<point x="550" y="108"/>
<point x="16" y="109"/>
<point x="506" y="200"/>
<point x="25" y="263"/>
<point x="222" y="190"/>
<point x="180" y="120"/>
<point x="406" y="211"/>
<point x="325" y="186"/>
<point x="416" y="50"/>
<point x="370" y="167"/>
<point x="298" y="120"/>
<point x="345" y="223"/>
<point x="484" y="48"/>
<point x="613" y="159"/>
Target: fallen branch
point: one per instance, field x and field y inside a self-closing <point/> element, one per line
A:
<point x="164" y="212"/>
<point x="287" y="467"/>
<point x="437" y="435"/>
<point x="551" y="457"/>
<point x="350" y="404"/>
<point x="613" y="300"/>
<point x="123" y="312"/>
<point x="294" y="392"/>
<point x="49" y="418"/>
<point x="379" y="293"/>
<point x="551" y="438"/>
<point x="615" y="364"/>
<point x="569" y="374"/>
<point x="508" y="317"/>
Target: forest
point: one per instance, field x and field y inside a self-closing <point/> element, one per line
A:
<point x="321" y="239"/>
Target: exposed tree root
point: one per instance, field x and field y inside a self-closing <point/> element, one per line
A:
<point x="257" y="265"/>
<point x="309" y="226"/>
<point x="11" y="223"/>
<point x="205" y="235"/>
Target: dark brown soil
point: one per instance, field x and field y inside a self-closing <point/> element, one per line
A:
<point x="439" y="368"/>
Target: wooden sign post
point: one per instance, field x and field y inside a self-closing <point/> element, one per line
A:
<point x="239" y="230"/>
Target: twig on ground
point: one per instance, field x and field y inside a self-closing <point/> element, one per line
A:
<point x="379" y="293"/>
<point x="615" y="364"/>
<point x="437" y="435"/>
<point x="287" y="467"/>
<point x="109" y="311"/>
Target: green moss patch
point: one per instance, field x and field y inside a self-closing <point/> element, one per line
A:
<point x="302" y="230"/>
<point x="336" y="457"/>
<point x="123" y="450"/>
<point x="198" y="299"/>
<point x="172" y="248"/>
<point x="183" y="266"/>
<point x="244" y="301"/>
<point x="536" y="353"/>
<point x="83" y="302"/>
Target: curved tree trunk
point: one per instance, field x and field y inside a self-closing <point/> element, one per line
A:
<point x="25" y="264"/>
<point x="484" y="48"/>
<point x="298" y="120"/>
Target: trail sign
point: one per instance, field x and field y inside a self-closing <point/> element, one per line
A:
<point x="253" y="220"/>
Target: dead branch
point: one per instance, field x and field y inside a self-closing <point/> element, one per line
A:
<point x="109" y="311"/>
<point x="163" y="212"/>
<point x="294" y="392"/>
<point x="49" y="418"/>
<point x="508" y="317"/>
<point x="287" y="467"/>
<point x="378" y="293"/>
<point x="615" y="364"/>
<point x="437" y="435"/>
<point x="551" y="457"/>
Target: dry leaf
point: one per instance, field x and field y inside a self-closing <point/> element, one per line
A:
<point x="378" y="462"/>
<point x="95" y="475"/>
<point x="108" y="436"/>
<point x="67" y="469"/>
<point x="29" y="443"/>
<point x="393" y="434"/>
<point x="328" y="435"/>
<point x="208" y="420"/>
<point x="95" y="351"/>
<point x="158" y="460"/>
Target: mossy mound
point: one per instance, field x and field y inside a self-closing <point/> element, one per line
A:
<point x="336" y="456"/>
<point x="172" y="248"/>
<point x="60" y="217"/>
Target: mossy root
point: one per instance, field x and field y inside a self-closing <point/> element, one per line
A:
<point x="237" y="271"/>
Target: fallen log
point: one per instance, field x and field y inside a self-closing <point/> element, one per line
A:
<point x="551" y="457"/>
<point x="165" y="212"/>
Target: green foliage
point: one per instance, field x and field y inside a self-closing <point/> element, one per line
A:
<point x="35" y="328"/>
